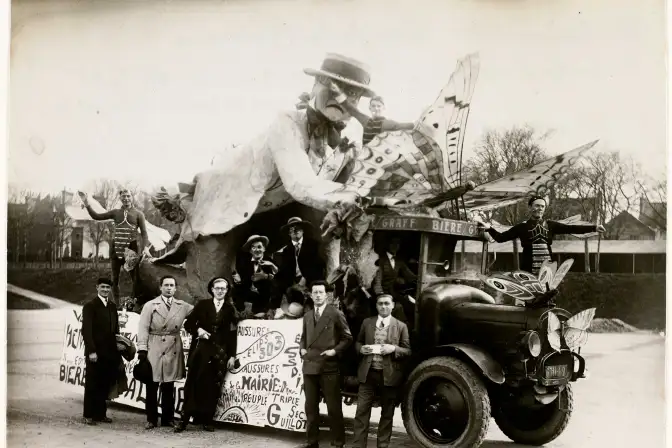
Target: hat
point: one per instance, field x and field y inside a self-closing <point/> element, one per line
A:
<point x="295" y="221"/>
<point x="143" y="371"/>
<point x="253" y="239"/>
<point x="346" y="70"/>
<point x="126" y="347"/>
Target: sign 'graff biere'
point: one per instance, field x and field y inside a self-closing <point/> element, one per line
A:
<point x="426" y="224"/>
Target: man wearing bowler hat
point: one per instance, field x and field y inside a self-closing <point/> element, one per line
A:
<point x="301" y="261"/>
<point x="298" y="158"/>
<point x="100" y="326"/>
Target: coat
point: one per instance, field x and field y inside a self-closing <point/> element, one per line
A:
<point x="159" y="335"/>
<point x="208" y="357"/>
<point x="274" y="169"/>
<point x="311" y="263"/>
<point x="385" y="281"/>
<point x="393" y="367"/>
<point x="330" y="332"/>
<point x="100" y="325"/>
<point x="242" y="291"/>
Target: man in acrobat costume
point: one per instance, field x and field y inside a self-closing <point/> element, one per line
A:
<point x="127" y="220"/>
<point x="536" y="235"/>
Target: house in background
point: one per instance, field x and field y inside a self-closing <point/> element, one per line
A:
<point x="626" y="227"/>
<point x="654" y="216"/>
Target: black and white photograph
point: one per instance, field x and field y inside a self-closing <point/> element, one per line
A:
<point x="355" y="223"/>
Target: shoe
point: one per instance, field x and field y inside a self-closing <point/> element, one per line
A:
<point x="89" y="421"/>
<point x="150" y="425"/>
<point x="181" y="426"/>
<point x="104" y="420"/>
<point x="208" y="428"/>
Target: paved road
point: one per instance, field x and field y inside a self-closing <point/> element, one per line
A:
<point x="621" y="405"/>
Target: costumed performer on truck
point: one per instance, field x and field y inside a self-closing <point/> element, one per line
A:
<point x="536" y="234"/>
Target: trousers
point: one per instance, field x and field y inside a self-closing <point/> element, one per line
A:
<point x="167" y="403"/>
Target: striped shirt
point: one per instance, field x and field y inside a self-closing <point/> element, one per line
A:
<point x="373" y="127"/>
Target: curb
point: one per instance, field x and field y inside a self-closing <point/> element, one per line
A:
<point x="49" y="301"/>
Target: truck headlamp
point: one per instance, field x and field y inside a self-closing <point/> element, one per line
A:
<point x="531" y="342"/>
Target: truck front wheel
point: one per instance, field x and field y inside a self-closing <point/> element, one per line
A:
<point x="534" y="425"/>
<point x="446" y="404"/>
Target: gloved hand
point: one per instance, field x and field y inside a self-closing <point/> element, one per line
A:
<point x="142" y="355"/>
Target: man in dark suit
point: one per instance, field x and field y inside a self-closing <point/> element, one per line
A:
<point x="100" y="325"/>
<point x="394" y="277"/>
<point x="324" y="339"/>
<point x="384" y="342"/>
<point x="301" y="261"/>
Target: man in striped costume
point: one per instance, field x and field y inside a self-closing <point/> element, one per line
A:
<point x="376" y="123"/>
<point x="127" y="220"/>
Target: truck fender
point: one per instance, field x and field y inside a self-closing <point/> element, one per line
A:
<point x="490" y="368"/>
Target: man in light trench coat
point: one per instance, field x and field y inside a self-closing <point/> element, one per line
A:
<point x="160" y="342"/>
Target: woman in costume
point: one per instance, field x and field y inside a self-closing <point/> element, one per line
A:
<point x="212" y="328"/>
<point x="536" y="235"/>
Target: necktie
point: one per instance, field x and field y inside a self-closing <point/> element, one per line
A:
<point x="218" y="304"/>
<point x="168" y="303"/>
<point x="317" y="314"/>
<point x="381" y="326"/>
<point x="298" y="249"/>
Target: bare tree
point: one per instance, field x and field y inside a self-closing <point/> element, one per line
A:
<point x="652" y="195"/>
<point x="500" y="153"/>
<point x="21" y="215"/>
<point x="604" y="185"/>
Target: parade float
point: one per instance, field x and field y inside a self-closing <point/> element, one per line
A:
<point x="473" y="357"/>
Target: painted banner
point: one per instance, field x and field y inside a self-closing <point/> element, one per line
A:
<point x="263" y="388"/>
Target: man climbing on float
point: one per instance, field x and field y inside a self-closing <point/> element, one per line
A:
<point x="127" y="220"/>
<point x="536" y="234"/>
<point x="376" y="123"/>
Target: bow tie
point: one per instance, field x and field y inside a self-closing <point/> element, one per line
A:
<point x="320" y="126"/>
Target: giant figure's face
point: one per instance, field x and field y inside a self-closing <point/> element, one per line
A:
<point x="325" y="100"/>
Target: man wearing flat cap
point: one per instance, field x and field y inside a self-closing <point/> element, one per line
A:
<point x="301" y="260"/>
<point x="254" y="278"/>
<point x="100" y="326"/>
<point x="298" y="158"/>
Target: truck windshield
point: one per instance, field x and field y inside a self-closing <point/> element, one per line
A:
<point x="444" y="260"/>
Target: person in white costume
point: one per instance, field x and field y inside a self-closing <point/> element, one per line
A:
<point x="298" y="158"/>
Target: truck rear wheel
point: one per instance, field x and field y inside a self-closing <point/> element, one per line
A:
<point x="536" y="425"/>
<point x="446" y="404"/>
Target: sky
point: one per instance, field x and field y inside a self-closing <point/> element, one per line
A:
<point x="150" y="92"/>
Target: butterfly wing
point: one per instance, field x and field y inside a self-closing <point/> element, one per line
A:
<point x="529" y="281"/>
<point x="515" y="187"/>
<point x="553" y="332"/>
<point x="576" y="328"/>
<point x="509" y="287"/>
<point x="546" y="273"/>
<point x="444" y="122"/>
<point x="560" y="274"/>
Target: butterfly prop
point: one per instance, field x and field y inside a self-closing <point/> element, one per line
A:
<point x="524" y="286"/>
<point x="425" y="165"/>
<point x="574" y="330"/>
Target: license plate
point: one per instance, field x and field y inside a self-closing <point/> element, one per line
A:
<point x="556" y="372"/>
